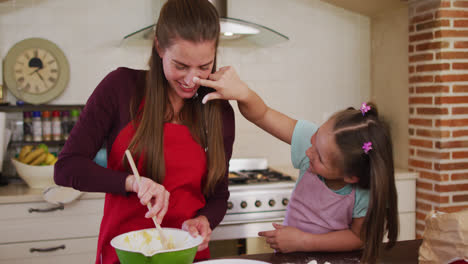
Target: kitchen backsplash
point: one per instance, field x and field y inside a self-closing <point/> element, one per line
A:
<point x="323" y="68"/>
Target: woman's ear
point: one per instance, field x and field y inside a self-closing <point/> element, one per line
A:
<point x="351" y="179"/>
<point x="158" y="49"/>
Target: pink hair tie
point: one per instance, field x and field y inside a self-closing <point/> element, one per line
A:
<point x="367" y="147"/>
<point x="364" y="108"/>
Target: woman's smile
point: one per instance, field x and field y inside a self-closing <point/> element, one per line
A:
<point x="187" y="88"/>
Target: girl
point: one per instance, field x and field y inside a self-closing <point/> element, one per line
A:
<point x="180" y="144"/>
<point x="345" y="197"/>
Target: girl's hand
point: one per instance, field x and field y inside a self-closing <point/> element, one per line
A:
<point x="199" y="226"/>
<point x="149" y="191"/>
<point x="227" y="84"/>
<point x="283" y="239"/>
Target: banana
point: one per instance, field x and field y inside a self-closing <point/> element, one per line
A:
<point x="24" y="151"/>
<point x="33" y="155"/>
<point x="41" y="158"/>
<point x="49" y="159"/>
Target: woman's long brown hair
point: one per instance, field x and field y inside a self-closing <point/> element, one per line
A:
<point x="375" y="171"/>
<point x="195" y="21"/>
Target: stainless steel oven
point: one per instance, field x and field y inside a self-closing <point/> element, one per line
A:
<point x="259" y="196"/>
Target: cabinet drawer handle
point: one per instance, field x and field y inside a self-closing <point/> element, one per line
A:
<point x="51" y="209"/>
<point x="46" y="249"/>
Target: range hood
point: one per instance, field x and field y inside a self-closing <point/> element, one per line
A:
<point x="231" y="29"/>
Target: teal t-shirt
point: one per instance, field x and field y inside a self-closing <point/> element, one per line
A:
<point x="300" y="143"/>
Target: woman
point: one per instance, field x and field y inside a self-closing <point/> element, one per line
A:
<point x="181" y="145"/>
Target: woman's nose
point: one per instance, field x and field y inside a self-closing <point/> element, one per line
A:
<point x="188" y="79"/>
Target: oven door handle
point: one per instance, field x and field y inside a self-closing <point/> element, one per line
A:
<point x="277" y="219"/>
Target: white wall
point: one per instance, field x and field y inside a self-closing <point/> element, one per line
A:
<point x="324" y="67"/>
<point x="390" y="76"/>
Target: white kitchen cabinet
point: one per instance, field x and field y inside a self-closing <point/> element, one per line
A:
<point x="70" y="251"/>
<point x="406" y="189"/>
<point x="407" y="226"/>
<point x="32" y="234"/>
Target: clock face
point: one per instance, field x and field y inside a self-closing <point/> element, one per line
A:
<point x="36" y="70"/>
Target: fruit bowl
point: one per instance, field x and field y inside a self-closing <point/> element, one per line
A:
<point x="35" y="176"/>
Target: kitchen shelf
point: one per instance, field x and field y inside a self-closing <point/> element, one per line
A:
<point x="51" y="143"/>
<point x="30" y="107"/>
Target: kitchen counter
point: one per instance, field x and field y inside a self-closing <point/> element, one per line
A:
<point x="404" y="252"/>
<point x="18" y="192"/>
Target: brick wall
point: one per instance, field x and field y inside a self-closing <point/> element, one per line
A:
<point x="438" y="105"/>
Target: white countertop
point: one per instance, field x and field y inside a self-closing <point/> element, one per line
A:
<point x="21" y="193"/>
<point x="404" y="174"/>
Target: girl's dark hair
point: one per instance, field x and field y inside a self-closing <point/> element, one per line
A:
<point x="375" y="172"/>
<point x="196" y="21"/>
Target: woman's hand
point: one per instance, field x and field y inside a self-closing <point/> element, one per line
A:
<point x="227" y="84"/>
<point x="199" y="226"/>
<point x="283" y="239"/>
<point x="149" y="191"/>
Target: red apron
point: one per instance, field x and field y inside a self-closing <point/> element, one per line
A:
<point x="185" y="163"/>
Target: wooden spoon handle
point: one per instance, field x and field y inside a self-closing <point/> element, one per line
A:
<point x="137" y="176"/>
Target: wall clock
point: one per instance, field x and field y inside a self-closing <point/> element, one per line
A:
<point x="36" y="71"/>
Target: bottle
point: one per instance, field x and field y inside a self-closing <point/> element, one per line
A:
<point x="74" y="114"/>
<point x="16" y="127"/>
<point x="27" y="127"/>
<point x="46" y="126"/>
<point x="65" y="124"/>
<point x="56" y="126"/>
<point x="37" y="126"/>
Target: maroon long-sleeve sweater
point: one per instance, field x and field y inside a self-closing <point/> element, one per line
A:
<point x="106" y="113"/>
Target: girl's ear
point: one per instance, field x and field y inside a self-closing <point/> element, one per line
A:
<point x="351" y="179"/>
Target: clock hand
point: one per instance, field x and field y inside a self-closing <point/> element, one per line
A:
<point x="40" y="76"/>
<point x="42" y="79"/>
<point x="35" y="70"/>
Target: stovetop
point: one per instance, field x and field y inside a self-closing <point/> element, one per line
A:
<point x="257" y="177"/>
<point x="254" y="171"/>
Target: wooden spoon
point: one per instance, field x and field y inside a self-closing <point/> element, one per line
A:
<point x="164" y="241"/>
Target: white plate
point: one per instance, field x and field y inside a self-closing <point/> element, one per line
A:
<point x="232" y="261"/>
<point x="60" y="195"/>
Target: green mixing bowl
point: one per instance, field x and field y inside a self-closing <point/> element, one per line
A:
<point x="184" y="252"/>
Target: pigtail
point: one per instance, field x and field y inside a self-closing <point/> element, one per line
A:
<point x="382" y="213"/>
<point x="366" y="146"/>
